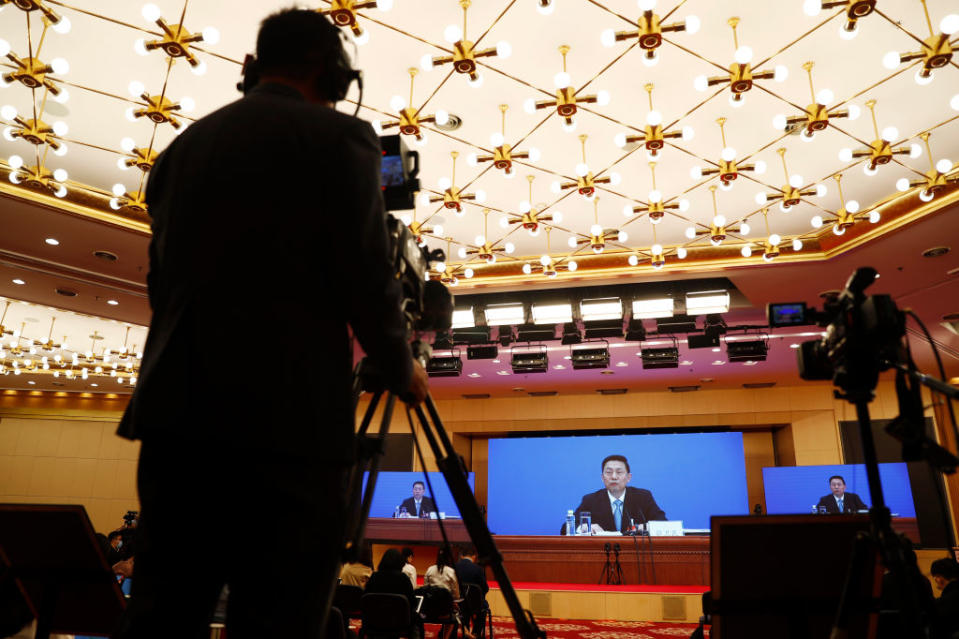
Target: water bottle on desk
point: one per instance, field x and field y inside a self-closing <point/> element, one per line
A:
<point x="815" y="509"/>
<point x="396" y="513"/>
<point x="570" y="523"/>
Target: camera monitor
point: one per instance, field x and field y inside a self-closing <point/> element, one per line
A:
<point x="788" y="314"/>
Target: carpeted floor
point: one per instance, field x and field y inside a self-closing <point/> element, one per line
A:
<point x="584" y="629"/>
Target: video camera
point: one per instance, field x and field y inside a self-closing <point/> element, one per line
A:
<point x="863" y="334"/>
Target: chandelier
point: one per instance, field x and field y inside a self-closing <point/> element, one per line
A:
<point x="847" y="215"/>
<point x="598" y="236"/>
<point x="464" y="52"/>
<point x="420" y="230"/>
<point x="486" y="250"/>
<point x="741" y="74"/>
<point x="792" y="192"/>
<point x="547" y="265"/>
<point x="656" y="208"/>
<point x="343" y="14"/>
<point x="586" y="182"/>
<point x="718" y="229"/>
<point x="566" y="99"/>
<point x="816" y="116"/>
<point x="176" y="40"/>
<point x="727" y="168"/>
<point x="880" y="151"/>
<point x="854" y="10"/>
<point x="452" y="196"/>
<point x="657" y="258"/>
<point x="650" y="32"/>
<point x="531" y="217"/>
<point x="935" y="51"/>
<point x="409" y="118"/>
<point x="771" y="246"/>
<point x="653" y="137"/>
<point x="938" y="177"/>
<point x="503" y="153"/>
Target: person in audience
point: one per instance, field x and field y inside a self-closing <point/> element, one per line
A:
<point x="408" y="568"/>
<point x="839" y="501"/>
<point x="612" y="507"/>
<point x="945" y="574"/>
<point x="442" y="573"/>
<point x="389" y="578"/>
<point x="468" y="571"/>
<point x="357" y="573"/>
<point x="418" y="505"/>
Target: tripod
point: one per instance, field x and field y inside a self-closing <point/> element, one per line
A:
<point x="453" y="469"/>
<point x="612" y="572"/>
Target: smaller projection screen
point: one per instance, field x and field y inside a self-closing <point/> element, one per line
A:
<point x="796" y="489"/>
<point x="533" y="481"/>
<point x="393" y="487"/>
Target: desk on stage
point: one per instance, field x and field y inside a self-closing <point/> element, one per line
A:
<point x="578" y="560"/>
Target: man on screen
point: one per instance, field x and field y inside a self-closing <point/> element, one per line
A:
<point x="839" y="501"/>
<point x="418" y="505"/>
<point x="614" y="506"/>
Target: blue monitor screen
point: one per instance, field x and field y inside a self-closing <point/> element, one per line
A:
<point x="394" y="487"/>
<point x="796" y="489"/>
<point x="533" y="481"/>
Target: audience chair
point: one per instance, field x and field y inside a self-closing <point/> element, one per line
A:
<point x="475" y="608"/>
<point x="347" y="599"/>
<point x="438" y="607"/>
<point x="386" y="616"/>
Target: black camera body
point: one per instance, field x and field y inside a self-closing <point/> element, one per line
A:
<point x="863" y="334"/>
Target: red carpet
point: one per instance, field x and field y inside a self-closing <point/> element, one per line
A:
<point x="542" y="585"/>
<point x="592" y="629"/>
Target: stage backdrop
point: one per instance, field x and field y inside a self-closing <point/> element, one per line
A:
<point x="796" y="489"/>
<point x="533" y="481"/>
<point x="393" y="487"/>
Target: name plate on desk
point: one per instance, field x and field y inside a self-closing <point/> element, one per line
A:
<point x="666" y="528"/>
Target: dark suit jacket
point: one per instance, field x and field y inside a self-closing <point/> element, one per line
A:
<point x="947" y="608"/>
<point x="850" y="503"/>
<point x="267" y="215"/>
<point x="638" y="503"/>
<point x="468" y="572"/>
<point x="426" y="506"/>
<point x="395" y="582"/>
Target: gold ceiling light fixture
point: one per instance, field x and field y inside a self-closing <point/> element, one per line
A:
<point x="598" y="236"/>
<point x="940" y="175"/>
<point x="855" y="10"/>
<point x="134" y="201"/>
<point x="741" y="74"/>
<point x="420" y="230"/>
<point x="343" y="14"/>
<point x="772" y="245"/>
<point x="792" y="192"/>
<point x="38" y="176"/>
<point x="727" y="169"/>
<point x="159" y="109"/>
<point x="653" y="137"/>
<point x="176" y="40"/>
<point x="880" y="151"/>
<point x="447" y="272"/>
<point x="486" y="250"/>
<point x="48" y="344"/>
<point x="657" y="258"/>
<point x="531" y="216"/>
<point x="936" y="51"/>
<point x="452" y="196"/>
<point x="31" y="71"/>
<point x="847" y="215"/>
<point x="34" y="130"/>
<point x="142" y="158"/>
<point x="718" y="229"/>
<point x="656" y="208"/>
<point x="586" y="182"/>
<point x="566" y="99"/>
<point x="464" y="52"/>
<point x="62" y="23"/>
<point x="650" y="32"/>
<point x="816" y="116"/>
<point x="547" y="265"/>
<point x="503" y="153"/>
<point x="409" y="118"/>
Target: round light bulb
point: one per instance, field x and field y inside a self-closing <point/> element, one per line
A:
<point x="426" y="62"/>
<point x="504" y="49"/>
<point x="397" y="103"/>
<point x="654" y="118"/>
<point x="779" y="122"/>
<point x="477" y="83"/>
<point x="926" y="195"/>
<point x="848" y="34"/>
<point x="746" y="251"/>
<point x="596" y="230"/>
<point x="854" y="112"/>
<point x="780" y="73"/>
<point x="441" y="117"/>
<point x="728" y="154"/>
<point x="725" y="186"/>
<point x="696" y="172"/>
<point x="690" y="232"/>
<point x="187" y="104"/>
<point x="15" y="161"/>
<point x="546" y="9"/>
<point x="139" y="45"/>
<point x="944" y="165"/>
<point x="701" y="83"/>
<point x="535" y="155"/>
<point x="807" y="136"/>
<point x="821" y="190"/>
<point x="496" y="139"/>
<point x="615" y="179"/>
<point x="902" y="185"/>
<point x="544" y="260"/>
<point x="681" y="253"/>
<point x="8" y="134"/>
<point x="444" y="183"/>
<point x="915" y="150"/>
<point x="562" y="80"/>
<point x="719" y="221"/>
<point x="480" y="196"/>
<point x="510" y="248"/>
<point x="923" y="80"/>
<point x="869" y="170"/>
<point x="688" y="133"/>
<point x="949" y="24"/>
<point x="838" y="230"/>
<point x="572" y="242"/>
<point x="555" y="187"/>
<point x="8" y="111"/>
<point x="852" y="206"/>
<point x="620" y="140"/>
<point x="744" y="228"/>
<point x="954" y="102"/>
<point x="4" y="47"/>
<point x="812" y="7"/>
<point x="582" y="169"/>
<point x="890" y="134"/>
<point x="60" y="175"/>
<point x="211" y="35"/>
<point x="452" y="34"/>
<point x="693" y="24"/>
<point x="874" y="217"/>
<point x="655" y="196"/>
<point x="845" y="155"/>
<point x="797" y="244"/>
<point x="602" y="98"/>
<point x="774" y="239"/>
<point x="529" y="105"/>
<point x="622" y="236"/>
<point x="438" y="229"/>
<point x="737" y="100"/>
<point x="199" y="69"/>
<point x="384" y="5"/>
<point x="150" y="12"/>
<point x="816" y="221"/>
<point x="633" y="260"/>
<point x="439" y="267"/>
<point x="628" y="210"/>
<point x="130" y="114"/>
<point x="608" y="38"/>
<point x="683" y="205"/>
<point x="825" y="97"/>
<point x="646" y="5"/>
<point x="119" y="189"/>
<point x="744" y="55"/>
<point x="527" y="269"/>
<point x="472" y="159"/>
<point x="760" y="167"/>
<point x="656" y="249"/>
<point x="60" y="66"/>
<point x="468" y="273"/>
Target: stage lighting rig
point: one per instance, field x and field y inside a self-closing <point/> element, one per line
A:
<point x="741" y="75"/>
<point x="464" y="55"/>
<point x="650" y="32"/>
<point x="566" y="98"/>
<point x="792" y="191"/>
<point x="653" y="138"/>
<point x="655" y="209"/>
<point x="880" y="151"/>
<point x="940" y="175"/>
<point x="816" y="116"/>
<point x="503" y="153"/>
<point x="410" y="121"/>
<point x="586" y="182"/>
<point x="727" y="168"/>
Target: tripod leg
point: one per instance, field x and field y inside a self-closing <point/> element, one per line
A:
<point x="453" y="470"/>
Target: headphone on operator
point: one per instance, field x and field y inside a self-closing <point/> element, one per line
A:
<point x="338" y="74"/>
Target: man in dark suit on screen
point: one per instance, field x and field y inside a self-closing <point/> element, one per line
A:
<point x="839" y="501"/>
<point x="616" y="504"/>
<point x="243" y="405"/>
<point x="418" y="505"/>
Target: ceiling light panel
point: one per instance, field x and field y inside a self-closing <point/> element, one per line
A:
<point x="653" y="308"/>
<point x="552" y="313"/>
<point x="707" y="302"/>
<point x="605" y="309"/>
<point x="504" y="314"/>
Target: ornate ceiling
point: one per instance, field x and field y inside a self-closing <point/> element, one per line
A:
<point x="796" y="73"/>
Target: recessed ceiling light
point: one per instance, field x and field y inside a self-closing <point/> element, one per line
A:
<point x="622" y="364"/>
<point x="607" y="372"/>
<point x="94" y="385"/>
<point x="52" y="242"/>
<point x="686" y="363"/>
<point x="567" y="357"/>
<point x="559" y="367"/>
<point x="794" y="346"/>
<point x="17" y="280"/>
<point x="31" y="382"/>
<point x="112" y="302"/>
<point x="474" y="375"/>
<point x="718" y="362"/>
<point x="751" y="362"/>
<point x="502" y="372"/>
<point x="716" y="350"/>
<point x="496" y="361"/>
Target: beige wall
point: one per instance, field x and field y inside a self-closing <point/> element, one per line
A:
<point x="69" y="460"/>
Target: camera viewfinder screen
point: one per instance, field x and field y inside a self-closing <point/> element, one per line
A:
<point x="797" y="489"/>
<point x="787" y="314"/>
<point x="392" y="488"/>
<point x="391" y="171"/>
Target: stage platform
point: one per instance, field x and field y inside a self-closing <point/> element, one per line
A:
<point x="593" y="601"/>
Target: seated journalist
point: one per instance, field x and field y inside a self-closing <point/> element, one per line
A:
<point x="612" y="507"/>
